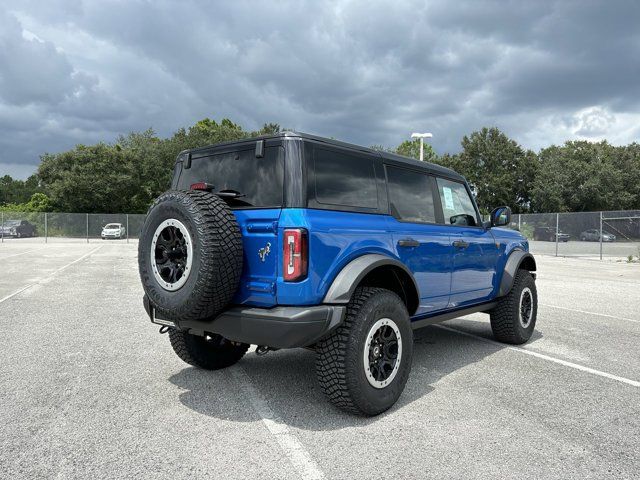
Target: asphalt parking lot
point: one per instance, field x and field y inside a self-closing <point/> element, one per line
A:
<point x="89" y="389"/>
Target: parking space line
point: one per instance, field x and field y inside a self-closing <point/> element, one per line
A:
<point x="295" y="451"/>
<point x="11" y="295"/>
<point x="591" y="313"/>
<point x="18" y="254"/>
<point x="575" y="366"/>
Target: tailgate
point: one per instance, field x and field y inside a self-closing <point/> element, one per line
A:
<point x="259" y="229"/>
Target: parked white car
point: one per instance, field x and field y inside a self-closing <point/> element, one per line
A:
<point x="113" y="230"/>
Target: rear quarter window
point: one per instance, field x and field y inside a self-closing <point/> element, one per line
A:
<point x="344" y="180"/>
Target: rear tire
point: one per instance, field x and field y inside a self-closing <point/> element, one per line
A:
<point x="212" y="352"/>
<point x="363" y="366"/>
<point x="514" y="318"/>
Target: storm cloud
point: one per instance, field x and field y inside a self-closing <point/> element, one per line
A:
<point x="362" y="71"/>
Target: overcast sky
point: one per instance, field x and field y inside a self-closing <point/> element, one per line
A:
<point x="361" y="71"/>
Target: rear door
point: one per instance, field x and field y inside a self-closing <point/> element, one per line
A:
<point x="422" y="244"/>
<point x="475" y="252"/>
<point x="254" y="188"/>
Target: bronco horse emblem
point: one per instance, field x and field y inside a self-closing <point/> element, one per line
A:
<point x="263" y="252"/>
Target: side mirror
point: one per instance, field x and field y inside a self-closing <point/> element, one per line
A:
<point x="500" y="216"/>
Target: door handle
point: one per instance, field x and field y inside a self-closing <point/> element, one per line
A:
<point x="460" y="244"/>
<point x="408" y="242"/>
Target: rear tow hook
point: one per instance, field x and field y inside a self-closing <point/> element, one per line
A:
<point x="164" y="329"/>
<point x="263" y="350"/>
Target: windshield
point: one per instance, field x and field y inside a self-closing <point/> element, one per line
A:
<point x="12" y="223"/>
<point x="112" y="226"/>
<point x="248" y="181"/>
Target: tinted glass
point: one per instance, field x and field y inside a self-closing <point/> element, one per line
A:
<point x="410" y="196"/>
<point x="258" y="180"/>
<point x="344" y="179"/>
<point x="456" y="201"/>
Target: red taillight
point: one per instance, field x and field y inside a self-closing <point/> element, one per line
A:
<point x="295" y="257"/>
<point x="201" y="186"/>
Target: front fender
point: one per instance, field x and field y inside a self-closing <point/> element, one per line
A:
<point x="515" y="260"/>
<point x="342" y="288"/>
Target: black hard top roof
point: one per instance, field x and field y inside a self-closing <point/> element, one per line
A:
<point x="391" y="157"/>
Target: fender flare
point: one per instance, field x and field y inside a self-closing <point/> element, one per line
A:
<point x="516" y="258"/>
<point x="345" y="283"/>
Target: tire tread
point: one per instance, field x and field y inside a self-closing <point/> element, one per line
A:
<point x="220" y="251"/>
<point x="193" y="353"/>
<point x="335" y="373"/>
<point x="504" y="317"/>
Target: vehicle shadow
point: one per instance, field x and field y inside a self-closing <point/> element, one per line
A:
<point x="285" y="380"/>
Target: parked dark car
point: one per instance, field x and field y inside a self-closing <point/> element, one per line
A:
<point x="548" y="234"/>
<point x="593" y="235"/>
<point x="18" y="228"/>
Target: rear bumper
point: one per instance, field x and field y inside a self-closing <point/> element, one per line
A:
<point x="278" y="327"/>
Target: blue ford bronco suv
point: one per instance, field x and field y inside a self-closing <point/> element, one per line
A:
<point x="293" y="240"/>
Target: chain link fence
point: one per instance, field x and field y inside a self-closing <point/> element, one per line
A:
<point x="584" y="234"/>
<point x="52" y="227"/>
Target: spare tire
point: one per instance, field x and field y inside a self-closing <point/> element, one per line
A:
<point x="190" y="255"/>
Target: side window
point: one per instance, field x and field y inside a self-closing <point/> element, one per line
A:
<point x="410" y="196"/>
<point x="344" y="179"/>
<point x="457" y="205"/>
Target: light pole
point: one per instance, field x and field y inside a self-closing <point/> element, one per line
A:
<point x="421" y="136"/>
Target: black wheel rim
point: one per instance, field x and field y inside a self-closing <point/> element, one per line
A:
<point x="171" y="254"/>
<point x="383" y="353"/>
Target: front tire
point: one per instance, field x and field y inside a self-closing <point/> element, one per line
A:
<point x="363" y="366"/>
<point x="212" y="352"/>
<point x="514" y="318"/>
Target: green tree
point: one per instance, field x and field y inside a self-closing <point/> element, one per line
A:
<point x="38" y="202"/>
<point x="267" y="129"/>
<point x="128" y="175"/>
<point x="582" y="176"/>
<point x="382" y="148"/>
<point x="626" y="162"/>
<point x="96" y="178"/>
<point x="14" y="191"/>
<point x="411" y="148"/>
<point x="499" y="171"/>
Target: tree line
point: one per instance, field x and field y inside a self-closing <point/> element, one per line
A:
<point x="126" y="175"/>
